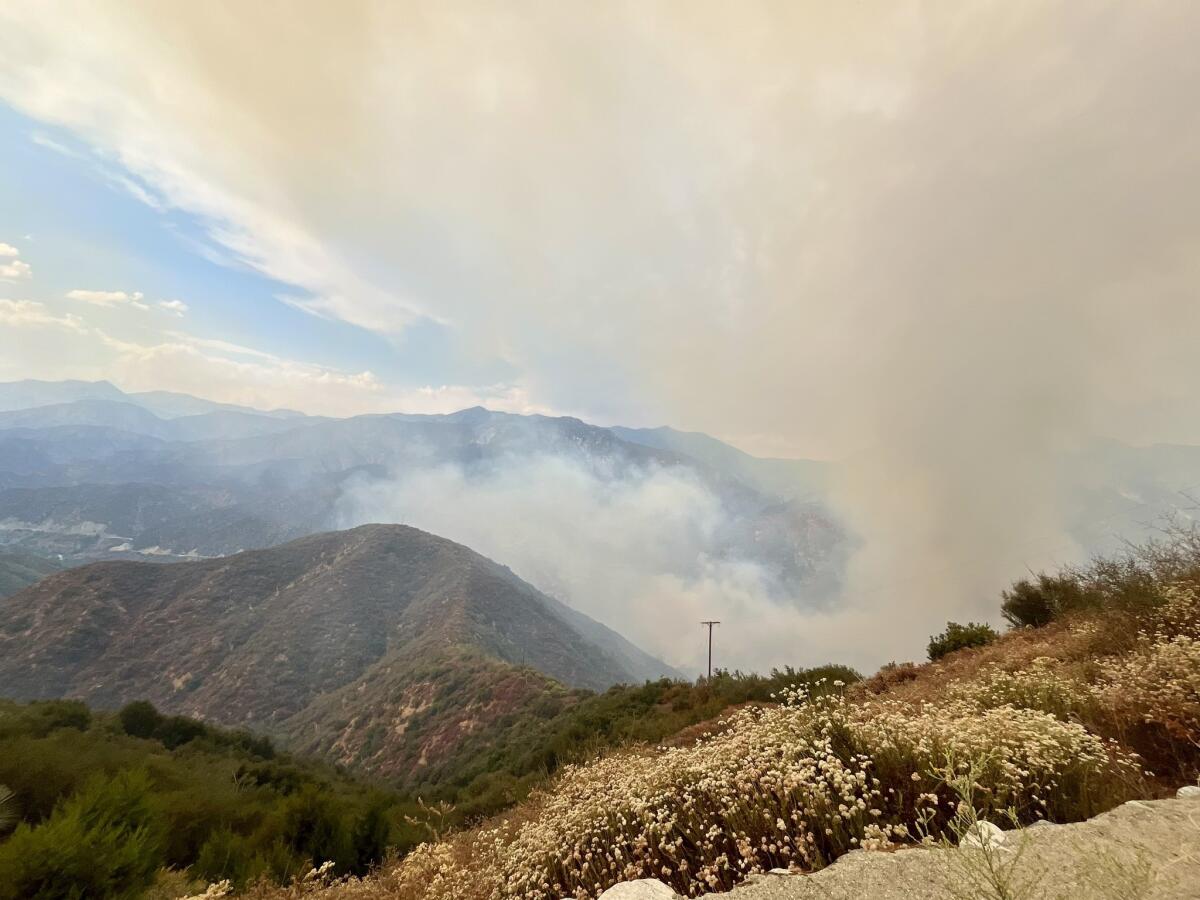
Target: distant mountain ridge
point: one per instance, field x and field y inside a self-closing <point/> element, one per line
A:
<point x="89" y="472"/>
<point x="787" y="478"/>
<point x="19" y="570"/>
<point x="30" y="393"/>
<point x="323" y="640"/>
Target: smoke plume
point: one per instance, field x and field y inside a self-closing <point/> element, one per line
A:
<point x="940" y="244"/>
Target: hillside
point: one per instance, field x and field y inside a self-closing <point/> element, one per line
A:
<point x="1090" y="701"/>
<point x="337" y="641"/>
<point x="19" y="570"/>
<point x="29" y="393"/>
<point x="787" y="478"/>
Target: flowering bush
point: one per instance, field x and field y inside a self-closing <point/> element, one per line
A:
<point x="1158" y="681"/>
<point x="1044" y="685"/>
<point x="796" y="784"/>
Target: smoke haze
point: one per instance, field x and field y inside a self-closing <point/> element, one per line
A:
<point x="942" y="244"/>
<point x="640" y="553"/>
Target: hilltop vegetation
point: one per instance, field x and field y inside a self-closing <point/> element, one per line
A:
<point x="100" y="803"/>
<point x="114" y="804"/>
<point x="1097" y="705"/>
<point x="490" y="771"/>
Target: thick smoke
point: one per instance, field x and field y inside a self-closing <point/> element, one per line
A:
<point x="641" y="552"/>
<point x="941" y="243"/>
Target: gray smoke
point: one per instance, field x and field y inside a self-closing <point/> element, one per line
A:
<point x="942" y="243"/>
<point x="641" y="553"/>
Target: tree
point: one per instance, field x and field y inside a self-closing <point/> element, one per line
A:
<point x="1039" y="601"/>
<point x="958" y="637"/>
<point x="178" y="730"/>
<point x="372" y="836"/>
<point x="313" y="827"/>
<point x="224" y="855"/>
<point x="140" y="719"/>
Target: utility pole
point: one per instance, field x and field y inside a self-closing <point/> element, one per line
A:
<point x="710" y="623"/>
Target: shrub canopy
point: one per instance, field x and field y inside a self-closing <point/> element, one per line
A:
<point x="958" y="637"/>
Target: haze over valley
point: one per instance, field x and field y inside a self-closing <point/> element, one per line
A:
<point x="641" y="529"/>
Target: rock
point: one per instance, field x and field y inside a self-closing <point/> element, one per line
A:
<point x="642" y="889"/>
<point x="1064" y="859"/>
<point x="1043" y="823"/>
<point x="983" y="835"/>
<point x="779" y="872"/>
<point x="1191" y="792"/>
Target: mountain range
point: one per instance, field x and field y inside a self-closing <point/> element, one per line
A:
<point x="89" y="472"/>
<point x="380" y="646"/>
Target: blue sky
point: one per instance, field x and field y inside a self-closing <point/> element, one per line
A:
<point x="82" y="221"/>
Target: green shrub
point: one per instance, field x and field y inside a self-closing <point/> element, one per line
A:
<point x="1037" y="602"/>
<point x="225" y="855"/>
<point x="104" y="843"/>
<point x="1131" y="583"/>
<point x="140" y="719"/>
<point x="41" y="717"/>
<point x="312" y="826"/>
<point x="372" y="837"/>
<point x="228" y="804"/>
<point x="958" y="637"/>
<point x="178" y="730"/>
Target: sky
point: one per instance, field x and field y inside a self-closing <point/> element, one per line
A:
<point x="939" y="242"/>
<point x="102" y="278"/>
<point x="641" y="213"/>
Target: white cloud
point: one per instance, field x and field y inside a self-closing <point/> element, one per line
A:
<point x="217" y="369"/>
<point x="14" y="269"/>
<point x="30" y="314"/>
<point x="109" y="299"/>
<point x="174" y="306"/>
<point x="44" y="140"/>
<point x="100" y="167"/>
<point x="231" y="373"/>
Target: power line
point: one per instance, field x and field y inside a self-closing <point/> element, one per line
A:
<point x="711" y="623"/>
